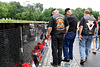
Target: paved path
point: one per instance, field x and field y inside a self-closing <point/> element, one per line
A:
<point x="93" y="60"/>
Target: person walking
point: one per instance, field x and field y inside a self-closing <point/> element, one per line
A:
<point x="95" y="38"/>
<point x="57" y="28"/>
<point x="86" y="31"/>
<point x="70" y="36"/>
<point x="98" y="48"/>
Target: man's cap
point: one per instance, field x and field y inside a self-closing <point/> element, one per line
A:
<point x="66" y="10"/>
<point x="53" y="10"/>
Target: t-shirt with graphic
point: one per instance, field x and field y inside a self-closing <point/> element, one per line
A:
<point x="58" y="23"/>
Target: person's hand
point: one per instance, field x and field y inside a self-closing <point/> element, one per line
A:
<point x="80" y="37"/>
<point x="48" y="34"/>
<point x="64" y="35"/>
<point x="94" y="36"/>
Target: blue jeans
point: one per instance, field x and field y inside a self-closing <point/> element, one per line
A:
<point x="96" y="39"/>
<point x="68" y="45"/>
<point x="99" y="42"/>
<point x="84" y="46"/>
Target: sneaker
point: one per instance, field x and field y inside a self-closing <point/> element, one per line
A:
<point x="59" y="64"/>
<point x="66" y="60"/>
<point x="53" y="64"/>
<point x="25" y="41"/>
<point x="94" y="52"/>
<point x="82" y="62"/>
<point x="85" y="59"/>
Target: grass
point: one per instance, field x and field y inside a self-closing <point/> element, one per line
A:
<point x="20" y="21"/>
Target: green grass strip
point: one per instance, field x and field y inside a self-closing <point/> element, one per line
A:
<point x="20" y="21"/>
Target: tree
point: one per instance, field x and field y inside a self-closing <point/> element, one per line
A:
<point x="38" y="7"/>
<point x="3" y="10"/>
<point x="12" y="11"/>
<point x="79" y="12"/>
<point x="40" y="17"/>
<point x="35" y="16"/>
<point x="18" y="6"/>
<point x="61" y="11"/>
<point x="94" y="13"/>
<point x="30" y="7"/>
<point x="24" y="15"/>
<point x="30" y="15"/>
<point x="46" y="15"/>
<point x="18" y="16"/>
<point x="35" y="11"/>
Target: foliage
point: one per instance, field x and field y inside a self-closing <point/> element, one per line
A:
<point x="61" y="11"/>
<point x="79" y="12"/>
<point x="35" y="12"/>
<point x="46" y="14"/>
<point x="3" y="10"/>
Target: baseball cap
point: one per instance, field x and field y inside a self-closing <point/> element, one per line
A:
<point x="53" y="10"/>
<point x="66" y="10"/>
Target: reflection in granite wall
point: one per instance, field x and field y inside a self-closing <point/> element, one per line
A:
<point x="17" y="43"/>
<point x="10" y="43"/>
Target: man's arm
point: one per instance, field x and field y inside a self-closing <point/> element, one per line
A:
<point x="80" y="31"/>
<point x="50" y="25"/>
<point x="81" y="28"/>
<point x="97" y="27"/>
<point x="66" y="24"/>
<point x="49" y="30"/>
<point x="67" y="28"/>
<point x="95" y="31"/>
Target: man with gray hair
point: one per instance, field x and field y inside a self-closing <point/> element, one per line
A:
<point x="87" y="29"/>
<point x="57" y="28"/>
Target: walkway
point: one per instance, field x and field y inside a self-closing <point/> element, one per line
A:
<point x="93" y="60"/>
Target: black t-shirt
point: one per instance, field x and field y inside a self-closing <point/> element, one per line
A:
<point x="72" y="19"/>
<point x="58" y="23"/>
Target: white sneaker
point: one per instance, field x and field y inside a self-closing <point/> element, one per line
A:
<point x="25" y="41"/>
